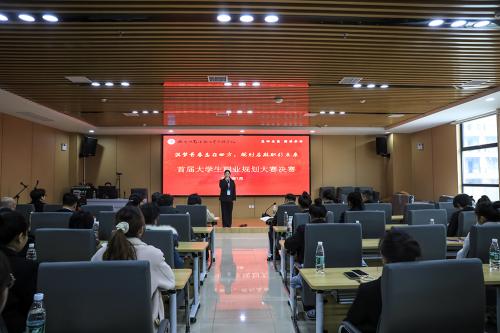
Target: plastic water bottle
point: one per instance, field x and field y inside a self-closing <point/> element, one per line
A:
<point x="289" y="228"/>
<point x="320" y="258"/>
<point x="431" y="221"/>
<point x="31" y="253"/>
<point x="357" y="221"/>
<point x="95" y="227"/>
<point x="275" y="209"/>
<point x="35" y="323"/>
<point x="285" y="218"/>
<point x="494" y="255"/>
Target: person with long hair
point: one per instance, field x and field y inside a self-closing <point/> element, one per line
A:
<point x="126" y="244"/>
<point x="304" y="202"/>
<point x="355" y="202"/>
<point x="462" y="203"/>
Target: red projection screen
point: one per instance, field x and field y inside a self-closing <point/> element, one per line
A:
<point x="259" y="164"/>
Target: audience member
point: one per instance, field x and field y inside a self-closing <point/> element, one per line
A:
<point x="81" y="220"/>
<point x="13" y="238"/>
<point x="367" y="196"/>
<point x="166" y="203"/>
<point x="463" y="203"/>
<point x="155" y="197"/>
<point x="125" y="244"/>
<point x="289" y="201"/>
<point x="70" y="203"/>
<point x="38" y="199"/>
<point x="328" y="196"/>
<point x="304" y="202"/>
<point x="7" y="204"/>
<point x="486" y="214"/>
<point x="484" y="198"/>
<point x="7" y="281"/>
<point x="355" y="202"/>
<point x="364" y="313"/>
<point x="134" y="200"/>
<point x="195" y="199"/>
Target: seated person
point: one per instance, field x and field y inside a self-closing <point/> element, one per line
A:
<point x="7" y="204"/>
<point x="289" y="200"/>
<point x="305" y="202"/>
<point x="13" y="238"/>
<point x="166" y="204"/>
<point x="81" y="220"/>
<point x="70" y="203"/>
<point x="38" y="199"/>
<point x="486" y="213"/>
<point x="151" y="214"/>
<point x="355" y="202"/>
<point x="364" y="313"/>
<point x="155" y="197"/>
<point x="126" y="244"/>
<point x="367" y="196"/>
<point x="7" y="281"/>
<point x="328" y="196"/>
<point x="134" y="200"/>
<point x="463" y="203"/>
<point x="195" y="199"/>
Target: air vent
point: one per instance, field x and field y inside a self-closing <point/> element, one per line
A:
<point x="34" y="116"/>
<point x="473" y="84"/>
<point x="350" y="80"/>
<point x="78" y="79"/>
<point x="130" y="114"/>
<point x="218" y="78"/>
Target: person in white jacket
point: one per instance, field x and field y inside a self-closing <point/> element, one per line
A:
<point x="126" y="244"/>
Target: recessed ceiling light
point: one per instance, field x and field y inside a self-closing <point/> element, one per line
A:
<point x="239" y="111"/>
<point x="125" y="84"/>
<point x="135" y="112"/>
<point x="242" y="84"/>
<point x="384" y="86"/>
<point x="227" y="84"/>
<point x="481" y="24"/>
<point x="170" y="131"/>
<point x="331" y="112"/>
<point x="357" y="85"/>
<point x="91" y="131"/>
<point x="342" y="112"/>
<point x="242" y="131"/>
<point x="396" y="115"/>
<point x="458" y="23"/>
<point x="271" y="18"/>
<point x="436" y="23"/>
<point x="371" y="86"/>
<point x="26" y="18"/>
<point x="312" y="131"/>
<point x="223" y="18"/>
<point x="3" y="18"/>
<point x="246" y="18"/>
<point x="490" y="99"/>
<point x="249" y="111"/>
<point x="109" y="84"/>
<point x="145" y="111"/>
<point x="322" y="112"/>
<point x="95" y="84"/>
<point x="256" y="84"/>
<point x="156" y="111"/>
<point x="229" y="111"/>
<point x="50" y="18"/>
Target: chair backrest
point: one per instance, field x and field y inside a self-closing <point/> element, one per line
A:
<point x="49" y="220"/>
<point x="337" y="210"/>
<point x="291" y="210"/>
<point x="363" y="189"/>
<point x="465" y="221"/>
<point x="343" y="191"/>
<point x="180" y="222"/>
<point x="448" y="206"/>
<point x="300" y="219"/>
<point x="324" y="188"/>
<point x="330" y="217"/>
<point x="385" y="207"/>
<point x="47" y="208"/>
<point x="480" y="240"/>
<point x="96" y="209"/>
<point x="198" y="214"/>
<point x="446" y="198"/>
<point x="431" y="238"/>
<point x="372" y="222"/>
<point x="65" y="244"/>
<point x="163" y="240"/>
<point x="416" y="206"/>
<point x="25" y="210"/>
<point x="424" y="216"/>
<point x="106" y="224"/>
<point x="399" y="202"/>
<point x="108" y="296"/>
<point x="429" y="289"/>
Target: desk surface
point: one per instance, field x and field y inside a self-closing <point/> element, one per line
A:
<point x="451" y="242"/>
<point x="202" y="230"/>
<point x="390" y="226"/>
<point x="334" y="278"/>
<point x="189" y="247"/>
<point x="279" y="229"/>
<point x="181" y="277"/>
<point x="397" y="218"/>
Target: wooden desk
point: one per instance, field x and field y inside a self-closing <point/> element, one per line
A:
<point x="181" y="282"/>
<point x="390" y="226"/>
<point x="211" y="232"/>
<point x="371" y="244"/>
<point x="192" y="247"/>
<point x="279" y="229"/>
<point x="202" y="230"/>
<point x="397" y="218"/>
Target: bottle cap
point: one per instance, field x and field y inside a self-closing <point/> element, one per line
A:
<point x="38" y="297"/>
<point x="494" y="240"/>
<point x="31" y="245"/>
<point x="320" y="243"/>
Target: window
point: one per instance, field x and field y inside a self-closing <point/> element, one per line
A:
<point x="480" y="157"/>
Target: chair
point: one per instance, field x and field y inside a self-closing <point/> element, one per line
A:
<point x="337" y="210"/>
<point x="49" y="220"/>
<point x="448" y="206"/>
<point x="343" y="191"/>
<point x="65" y="244"/>
<point x="385" y="207"/>
<point x="163" y="240"/>
<point x="363" y="189"/>
<point x="47" y="208"/>
<point x="480" y="240"/>
<point x="372" y="222"/>
<point x="431" y="238"/>
<point x="198" y="214"/>
<point x="96" y="209"/>
<point x="330" y="217"/>
<point x="342" y="245"/>
<point x="25" y="210"/>
<point x="399" y="202"/>
<point x="106" y="224"/>
<point x="446" y="198"/>
<point x="416" y="206"/>
<point x="300" y="219"/>
<point x="421" y="297"/>
<point x="324" y="188"/>
<point x="89" y="297"/>
<point x="291" y="210"/>
<point x="465" y="221"/>
<point x="419" y="217"/>
<point x="180" y="222"/>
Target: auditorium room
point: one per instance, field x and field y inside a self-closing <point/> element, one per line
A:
<point x="286" y="166"/>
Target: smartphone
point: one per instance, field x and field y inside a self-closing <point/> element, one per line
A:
<point x="360" y="272"/>
<point x="351" y="275"/>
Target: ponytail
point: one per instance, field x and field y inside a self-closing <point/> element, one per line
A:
<point x="129" y="223"/>
<point x="119" y="248"/>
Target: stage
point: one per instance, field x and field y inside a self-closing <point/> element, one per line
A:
<point x="253" y="225"/>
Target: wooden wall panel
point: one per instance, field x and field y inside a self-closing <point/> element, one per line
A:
<point x="400" y="164"/>
<point x="43" y="160"/>
<point x="155" y="153"/>
<point x="339" y="160"/>
<point x="1" y="137"/>
<point x="370" y="167"/>
<point x="422" y="168"/>
<point x="316" y="165"/>
<point x="444" y="160"/>
<point x="61" y="165"/>
<point x="134" y="161"/>
<point x="101" y="168"/>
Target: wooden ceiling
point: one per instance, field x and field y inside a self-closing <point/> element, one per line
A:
<point x="320" y="42"/>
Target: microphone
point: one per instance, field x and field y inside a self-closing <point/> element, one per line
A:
<point x="265" y="212"/>
<point x="24" y="185"/>
<point x="37" y="181"/>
